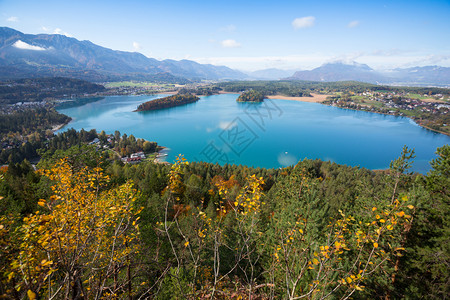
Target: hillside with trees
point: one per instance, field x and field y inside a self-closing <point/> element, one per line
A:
<point x="168" y="102"/>
<point x="251" y="96"/>
<point x="199" y="230"/>
<point x="39" y="89"/>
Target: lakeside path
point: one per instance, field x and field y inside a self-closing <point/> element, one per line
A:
<point x="316" y="98"/>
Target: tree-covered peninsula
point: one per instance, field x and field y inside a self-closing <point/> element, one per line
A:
<point x="167" y="102"/>
<point x="251" y="96"/>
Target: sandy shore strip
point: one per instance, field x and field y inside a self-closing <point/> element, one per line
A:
<point x="58" y="127"/>
<point x="316" y="98"/>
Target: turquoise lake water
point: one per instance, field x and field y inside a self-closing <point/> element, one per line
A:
<point x="272" y="134"/>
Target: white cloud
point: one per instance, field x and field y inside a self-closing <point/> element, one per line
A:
<point x="353" y="24"/>
<point x="228" y="28"/>
<point x="136" y="46"/>
<point x="60" y="31"/>
<point x="303" y="22"/>
<point x="13" y="19"/>
<point x="46" y="29"/>
<point x="230" y="44"/>
<point x="22" y="45"/>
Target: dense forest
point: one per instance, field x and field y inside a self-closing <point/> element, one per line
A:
<point x="84" y="226"/>
<point x="28" y="121"/>
<point x="44" y="146"/>
<point x="200" y="90"/>
<point x="168" y="102"/>
<point x="251" y="96"/>
<point x="298" y="88"/>
<point x="25" y="130"/>
<point x="38" y="89"/>
<point x="288" y="88"/>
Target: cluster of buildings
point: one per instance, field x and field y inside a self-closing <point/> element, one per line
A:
<point x="135" y="90"/>
<point x="405" y="102"/>
<point x="395" y="101"/>
<point x="20" y="106"/>
<point x="134" y="158"/>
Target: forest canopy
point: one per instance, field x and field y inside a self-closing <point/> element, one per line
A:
<point x="167" y="102"/>
<point x="196" y="230"/>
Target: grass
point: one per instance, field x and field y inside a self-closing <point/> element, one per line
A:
<point x="365" y="101"/>
<point x="419" y="97"/>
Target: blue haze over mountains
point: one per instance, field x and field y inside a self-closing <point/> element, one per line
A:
<point x="26" y="55"/>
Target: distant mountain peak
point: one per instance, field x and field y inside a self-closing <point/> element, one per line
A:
<point x="342" y="71"/>
<point x="347" y="64"/>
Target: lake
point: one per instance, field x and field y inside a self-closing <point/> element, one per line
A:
<point x="271" y="134"/>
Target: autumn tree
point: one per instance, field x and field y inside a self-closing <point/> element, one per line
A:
<point x="81" y="244"/>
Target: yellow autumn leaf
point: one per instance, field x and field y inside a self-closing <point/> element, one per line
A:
<point x="410" y="206"/>
<point x="349" y="280"/>
<point x="315" y="261"/>
<point x="31" y="295"/>
<point x="186" y="243"/>
<point x="400" y="214"/>
<point x="375" y="245"/>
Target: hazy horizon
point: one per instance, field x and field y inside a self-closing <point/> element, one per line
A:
<point x="252" y="35"/>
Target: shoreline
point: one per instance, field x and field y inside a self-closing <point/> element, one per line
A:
<point x="58" y="127"/>
<point x="387" y="114"/>
<point x="316" y="98"/>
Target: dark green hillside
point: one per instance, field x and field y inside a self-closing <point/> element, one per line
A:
<point x="38" y="89"/>
<point x="167" y="102"/>
<point x="250" y="96"/>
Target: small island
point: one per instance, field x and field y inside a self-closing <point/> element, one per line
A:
<point x="167" y="102"/>
<point x="251" y="96"/>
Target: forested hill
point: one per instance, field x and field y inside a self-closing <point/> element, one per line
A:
<point x="251" y="96"/>
<point x="301" y="88"/>
<point x="198" y="230"/>
<point x="38" y="89"/>
<point x="167" y="102"/>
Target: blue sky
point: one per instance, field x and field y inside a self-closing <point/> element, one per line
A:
<point x="250" y="35"/>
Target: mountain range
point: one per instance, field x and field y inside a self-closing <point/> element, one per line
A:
<point x="48" y="55"/>
<point x="27" y="55"/>
<point x="339" y="71"/>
